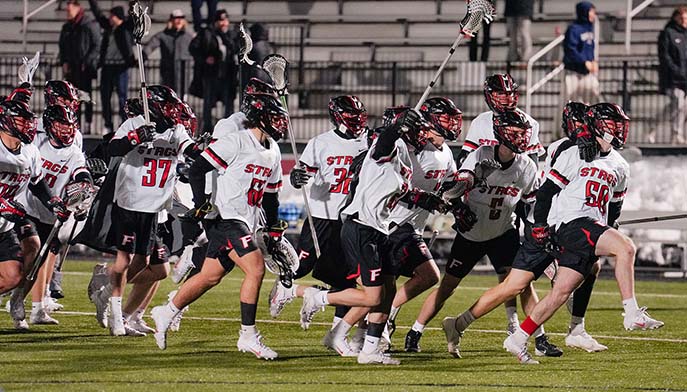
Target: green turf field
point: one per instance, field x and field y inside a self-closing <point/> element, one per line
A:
<point x="79" y="355"/>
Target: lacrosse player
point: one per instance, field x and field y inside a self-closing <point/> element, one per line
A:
<point x="486" y="225"/>
<point x="65" y="173"/>
<point x="144" y="186"/>
<point x="588" y="201"/>
<point x="327" y="158"/>
<point x="62" y="93"/>
<point x="20" y="170"/>
<point x="501" y="95"/>
<point x="248" y="177"/>
<point x="384" y="181"/>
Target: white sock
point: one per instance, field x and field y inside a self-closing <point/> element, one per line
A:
<point x="341" y="329"/>
<point x="576" y="325"/>
<point x="464" y="320"/>
<point x="250" y="329"/>
<point x="116" y="307"/>
<point x="394" y="312"/>
<point x="336" y="321"/>
<point x="371" y="344"/>
<point x="169" y="311"/>
<point x="630" y="306"/>
<point x="520" y="337"/>
<point x="321" y="298"/>
<point x="512" y="315"/>
<point x="539" y="331"/>
<point x="292" y="290"/>
<point x="36" y="306"/>
<point x="418" y="327"/>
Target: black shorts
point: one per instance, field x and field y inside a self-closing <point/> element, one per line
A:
<point x="367" y="253"/>
<point x="134" y="231"/>
<point x="465" y="253"/>
<point x="31" y="226"/>
<point x="227" y="235"/>
<point x="532" y="257"/>
<point x="577" y="240"/>
<point x="408" y="250"/>
<point x="331" y="267"/>
<point x="9" y="247"/>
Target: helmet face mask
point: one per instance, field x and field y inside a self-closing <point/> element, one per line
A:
<point x="609" y="122"/>
<point x="17" y="120"/>
<point x="267" y="114"/>
<point x="501" y="93"/>
<point x="61" y="93"/>
<point x="574" y="117"/>
<point x="445" y="117"/>
<point x="163" y="104"/>
<point x="188" y="119"/>
<point x="348" y="114"/>
<point x="513" y="131"/>
<point x="61" y="125"/>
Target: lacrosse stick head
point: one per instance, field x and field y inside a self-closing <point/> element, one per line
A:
<point x="247" y="46"/>
<point x="141" y="20"/>
<point x="28" y="68"/>
<point x="478" y="11"/>
<point x="286" y="262"/>
<point x="276" y="65"/>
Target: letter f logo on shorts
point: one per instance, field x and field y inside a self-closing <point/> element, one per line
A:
<point x="374" y="274"/>
<point x="304" y="255"/>
<point x="245" y="240"/>
<point x="128" y="239"/>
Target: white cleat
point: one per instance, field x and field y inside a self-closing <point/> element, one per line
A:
<point x="519" y="351"/>
<point x="584" y="341"/>
<point x="42" y="317"/>
<point x="511" y="328"/>
<point x="51" y="305"/>
<point x="309" y="307"/>
<point x="453" y="336"/>
<point x="279" y="297"/>
<point x="358" y="339"/>
<point x="252" y="342"/>
<point x="138" y="324"/>
<point x="641" y="321"/>
<point x="183" y="265"/>
<point x="175" y="325"/>
<point x="21" y="325"/>
<point x="341" y="346"/>
<point x="161" y="326"/>
<point x="129" y="331"/>
<point x="16" y="305"/>
<point x="377" y="358"/>
<point x="101" y="300"/>
<point x="116" y="325"/>
<point x="99" y="279"/>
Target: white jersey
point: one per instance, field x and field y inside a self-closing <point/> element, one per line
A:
<point x="231" y="124"/>
<point x="381" y="185"/>
<point x="78" y="136"/>
<point x="147" y="174"/>
<point x="329" y="156"/>
<point x="17" y="169"/>
<point x="587" y="187"/>
<point x="430" y="167"/>
<point x="247" y="169"/>
<point x="481" y="133"/>
<point x="59" y="166"/>
<point x="494" y="203"/>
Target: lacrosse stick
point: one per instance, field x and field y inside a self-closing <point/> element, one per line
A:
<point x="477" y="12"/>
<point x="141" y="22"/>
<point x="652" y="219"/>
<point x="432" y="239"/>
<point x="28" y="68"/>
<point x="275" y="65"/>
<point x="246" y="48"/>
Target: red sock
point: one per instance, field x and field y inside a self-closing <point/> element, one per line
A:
<point x="529" y="326"/>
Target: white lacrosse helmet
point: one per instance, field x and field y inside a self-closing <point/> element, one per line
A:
<point x="285" y="248"/>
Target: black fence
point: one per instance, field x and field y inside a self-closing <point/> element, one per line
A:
<point x="632" y="83"/>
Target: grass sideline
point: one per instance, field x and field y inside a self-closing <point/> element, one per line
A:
<point x="79" y="355"/>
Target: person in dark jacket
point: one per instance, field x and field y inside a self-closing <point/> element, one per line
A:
<point x="175" y="58"/>
<point x="259" y="33"/>
<point x="672" y="71"/>
<point x="79" y="54"/>
<point x="215" y="53"/>
<point x="116" y="57"/>
<point x="581" y="82"/>
<point x="198" y="20"/>
<point x="518" y="21"/>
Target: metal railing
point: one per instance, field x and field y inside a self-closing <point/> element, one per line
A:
<point x="27" y="15"/>
<point x="631" y="13"/>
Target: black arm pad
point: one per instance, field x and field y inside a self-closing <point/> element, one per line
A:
<point x="270" y="203"/>
<point x="614" y="210"/>
<point x="386" y="141"/>
<point x="119" y="147"/>
<point x="196" y="178"/>
<point x="42" y="192"/>
<point x="192" y="151"/>
<point x="461" y="157"/>
<point x="545" y="196"/>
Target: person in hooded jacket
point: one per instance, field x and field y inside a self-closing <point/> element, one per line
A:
<point x="672" y="71"/>
<point x="581" y="81"/>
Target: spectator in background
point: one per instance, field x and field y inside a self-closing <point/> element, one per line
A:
<point x="215" y="52"/>
<point x="518" y="20"/>
<point x="116" y="57"/>
<point x="175" y="58"/>
<point x="259" y="33"/>
<point x="581" y="82"/>
<point x="79" y="53"/>
<point x="198" y="21"/>
<point x="485" y="32"/>
<point x="672" y="71"/>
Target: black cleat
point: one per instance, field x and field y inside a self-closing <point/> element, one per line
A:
<point x="391" y="325"/>
<point x="413" y="341"/>
<point x="57" y="294"/>
<point x="545" y="348"/>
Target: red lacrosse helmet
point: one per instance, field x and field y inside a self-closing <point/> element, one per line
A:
<point x="61" y="124"/>
<point x="513" y="130"/>
<point x="347" y="113"/>
<point x="501" y="93"/>
<point x="609" y="122"/>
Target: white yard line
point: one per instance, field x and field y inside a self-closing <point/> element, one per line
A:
<point x="489" y="331"/>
